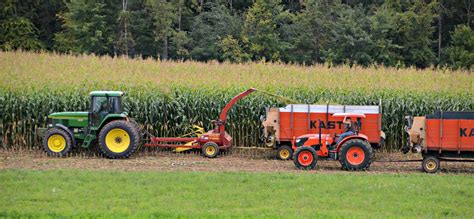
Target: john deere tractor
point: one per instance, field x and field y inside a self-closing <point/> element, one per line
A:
<point x="118" y="136"/>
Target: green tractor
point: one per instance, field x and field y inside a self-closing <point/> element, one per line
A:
<point x="106" y="123"/>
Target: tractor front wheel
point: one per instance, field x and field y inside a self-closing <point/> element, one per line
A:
<point x="305" y="158"/>
<point x="284" y="152"/>
<point x="210" y="149"/>
<point x="57" y="142"/>
<point x="355" y="154"/>
<point x="119" y="139"/>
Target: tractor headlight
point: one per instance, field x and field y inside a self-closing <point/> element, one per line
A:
<point x="300" y="141"/>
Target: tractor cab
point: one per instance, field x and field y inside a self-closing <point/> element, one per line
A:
<point x="351" y="148"/>
<point x="104" y="103"/>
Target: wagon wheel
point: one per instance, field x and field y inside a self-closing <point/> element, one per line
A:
<point x="430" y="164"/>
<point x="284" y="152"/>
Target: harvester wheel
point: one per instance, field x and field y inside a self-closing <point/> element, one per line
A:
<point x="119" y="139"/>
<point x="210" y="149"/>
<point x="430" y="164"/>
<point x="305" y="158"/>
<point x="57" y="142"/>
<point x="284" y="152"/>
<point x="355" y="154"/>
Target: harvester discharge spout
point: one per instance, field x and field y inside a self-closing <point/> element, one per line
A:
<point x="223" y="116"/>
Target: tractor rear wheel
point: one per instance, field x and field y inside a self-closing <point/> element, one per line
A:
<point x="430" y="164"/>
<point x="285" y="152"/>
<point x="210" y="149"/>
<point x="139" y="129"/>
<point x="119" y="139"/>
<point x="305" y="158"/>
<point x="57" y="142"/>
<point x="355" y="154"/>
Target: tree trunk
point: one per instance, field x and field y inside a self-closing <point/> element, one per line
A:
<point x="440" y="28"/>
<point x="125" y="34"/>
<point x="179" y="15"/>
<point x="469" y="14"/>
<point x="165" y="47"/>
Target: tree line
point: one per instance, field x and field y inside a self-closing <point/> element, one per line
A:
<point x="396" y="33"/>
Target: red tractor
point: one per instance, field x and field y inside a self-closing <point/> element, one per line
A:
<point x="354" y="151"/>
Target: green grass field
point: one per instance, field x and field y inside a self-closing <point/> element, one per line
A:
<point x="186" y="194"/>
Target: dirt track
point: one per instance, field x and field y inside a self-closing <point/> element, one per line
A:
<point x="238" y="160"/>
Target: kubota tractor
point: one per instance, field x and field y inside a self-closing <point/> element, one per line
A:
<point x="354" y="152"/>
<point x="105" y="122"/>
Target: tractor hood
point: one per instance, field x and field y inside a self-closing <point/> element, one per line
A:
<point x="323" y="136"/>
<point x="69" y="115"/>
<point x="70" y="119"/>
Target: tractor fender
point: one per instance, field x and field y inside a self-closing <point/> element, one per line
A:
<point x="71" y="134"/>
<point x="111" y="117"/>
<point x="359" y="136"/>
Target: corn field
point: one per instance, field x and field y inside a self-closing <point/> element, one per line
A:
<point x="167" y="98"/>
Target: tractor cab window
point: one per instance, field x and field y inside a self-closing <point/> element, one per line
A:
<point x="100" y="109"/>
<point x="103" y="106"/>
<point x="116" y="104"/>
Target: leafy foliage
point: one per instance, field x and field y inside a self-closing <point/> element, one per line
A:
<point x="231" y="50"/>
<point x="390" y="33"/>
<point x="211" y="27"/>
<point x="260" y="30"/>
<point x="17" y="32"/>
<point x="86" y="28"/>
<point x="461" y="53"/>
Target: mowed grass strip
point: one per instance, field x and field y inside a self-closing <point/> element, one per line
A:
<point x="187" y="194"/>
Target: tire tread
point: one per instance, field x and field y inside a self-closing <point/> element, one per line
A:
<point x="124" y="124"/>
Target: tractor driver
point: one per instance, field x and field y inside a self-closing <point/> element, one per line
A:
<point x="104" y="109"/>
<point x="349" y="129"/>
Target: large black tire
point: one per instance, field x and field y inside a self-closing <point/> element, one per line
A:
<point x="284" y="152"/>
<point x="119" y="139"/>
<point x="210" y="149"/>
<point x="430" y="164"/>
<point x="135" y="123"/>
<point x="305" y="158"/>
<point x="355" y="155"/>
<point x="141" y="133"/>
<point x="57" y="142"/>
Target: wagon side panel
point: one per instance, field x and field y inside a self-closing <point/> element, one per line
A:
<point x="433" y="134"/>
<point x="466" y="135"/>
<point x="450" y="134"/>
